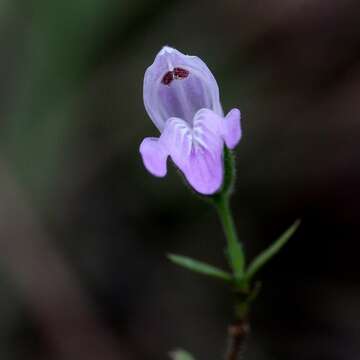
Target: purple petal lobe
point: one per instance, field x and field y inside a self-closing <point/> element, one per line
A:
<point x="197" y="150"/>
<point x="177" y="139"/>
<point x="231" y="129"/>
<point x="154" y="156"/>
<point x="204" y="171"/>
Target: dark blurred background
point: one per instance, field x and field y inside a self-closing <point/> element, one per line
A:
<point x="84" y="228"/>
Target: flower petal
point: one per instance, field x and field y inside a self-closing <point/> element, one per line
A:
<point x="177" y="139"/>
<point x="231" y="128"/>
<point x="183" y="98"/>
<point x="197" y="151"/>
<point x="178" y="98"/>
<point x="154" y="156"/>
<point x="204" y="171"/>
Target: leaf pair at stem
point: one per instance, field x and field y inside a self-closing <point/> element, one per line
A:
<point x="240" y="277"/>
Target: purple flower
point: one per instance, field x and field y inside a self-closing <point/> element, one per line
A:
<point x="181" y="97"/>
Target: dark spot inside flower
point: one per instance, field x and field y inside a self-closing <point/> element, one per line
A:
<point x="168" y="78"/>
<point x="180" y="73"/>
<point x="177" y="74"/>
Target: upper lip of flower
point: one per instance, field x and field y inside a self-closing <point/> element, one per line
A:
<point x="178" y="85"/>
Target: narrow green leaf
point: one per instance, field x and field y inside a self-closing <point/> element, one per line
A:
<point x="181" y="355"/>
<point x="273" y="249"/>
<point x="199" y="267"/>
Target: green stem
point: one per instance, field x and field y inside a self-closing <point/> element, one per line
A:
<point x="238" y="331"/>
<point x="234" y="247"/>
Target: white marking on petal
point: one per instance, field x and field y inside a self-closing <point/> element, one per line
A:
<point x="169" y="63"/>
<point x="201" y="142"/>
